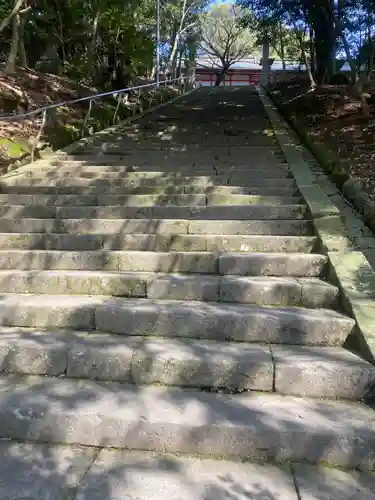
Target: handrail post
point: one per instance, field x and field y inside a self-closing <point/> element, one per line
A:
<point x="39" y="135"/>
<point x="117" y="108"/>
<point x="84" y="126"/>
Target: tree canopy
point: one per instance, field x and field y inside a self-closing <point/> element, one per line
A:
<point x="110" y="43"/>
<point x="103" y="42"/>
<point x="224" y="38"/>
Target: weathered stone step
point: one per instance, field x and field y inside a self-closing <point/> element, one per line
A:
<point x="118" y="227"/>
<point x="200" y="174"/>
<point x="223" y="322"/>
<point x="249" y="190"/>
<point x="247" y="264"/>
<point x="129" y="181"/>
<point x="134" y="172"/>
<point x="305" y="292"/>
<point x="158" y="242"/>
<point x="147" y="189"/>
<point x="262" y="154"/>
<point x="202" y="479"/>
<point x="186" y="143"/>
<point x="300" y="371"/>
<point x="249" y="425"/>
<point x="96" y="165"/>
<point x="92" y="473"/>
<point x="187" y="212"/>
<point x="146" y="199"/>
<point x="165" y="318"/>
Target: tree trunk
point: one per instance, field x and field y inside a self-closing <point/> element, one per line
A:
<point x="322" y="17"/>
<point x="10" y="66"/>
<point x="312" y="51"/>
<point x="21" y="43"/>
<point x="94" y="44"/>
<point x="282" y="48"/>
<point x="304" y="57"/>
<point x="18" y="5"/>
<point x="220" y="76"/>
<point x="307" y="63"/>
<point x="173" y="54"/>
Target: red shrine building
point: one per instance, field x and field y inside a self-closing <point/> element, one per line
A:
<point x="247" y="71"/>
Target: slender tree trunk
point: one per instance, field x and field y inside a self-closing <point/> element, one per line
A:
<point x="18" y="6"/>
<point x="312" y="51"/>
<point x="282" y="48"/>
<point x="10" y="66"/>
<point x="21" y="42"/>
<point x="179" y="65"/>
<point x="303" y="51"/>
<point x="305" y="58"/>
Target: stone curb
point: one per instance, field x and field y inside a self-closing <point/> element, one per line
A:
<point x="85" y="141"/>
<point x="349" y="269"/>
<point x="356" y="279"/>
<point x="350" y="188"/>
<point x="325" y="215"/>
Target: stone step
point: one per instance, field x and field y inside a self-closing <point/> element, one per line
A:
<point x="250" y="190"/>
<point x="246" y="264"/>
<point x="112" y="165"/>
<point x="118" y="227"/>
<point x="232" y="155"/>
<point x="254" y="426"/>
<point x="97" y="173"/>
<point x="187" y="212"/>
<point x="92" y="473"/>
<point x="262" y="291"/>
<point x="223" y="322"/>
<point x="117" y="184"/>
<point x="146" y="199"/>
<point x="301" y="371"/>
<point x="165" y="318"/>
<point x="187" y="143"/>
<point x="147" y="189"/>
<point x="158" y="242"/>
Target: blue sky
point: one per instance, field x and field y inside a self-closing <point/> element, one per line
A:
<point x="221" y="1"/>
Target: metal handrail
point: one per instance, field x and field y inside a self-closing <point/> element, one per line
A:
<point x="91" y="99"/>
<point x="88" y="98"/>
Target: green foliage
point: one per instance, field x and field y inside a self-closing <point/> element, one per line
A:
<point x="108" y="43"/>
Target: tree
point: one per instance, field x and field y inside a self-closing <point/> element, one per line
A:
<point x="18" y="18"/>
<point x="183" y="16"/>
<point x="224" y="39"/>
<point x="105" y="43"/>
<point x="304" y="16"/>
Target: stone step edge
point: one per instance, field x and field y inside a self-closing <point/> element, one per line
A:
<point x="157" y="242"/>
<point x="273" y="264"/>
<point x="167" y="318"/>
<point x="287" y="211"/>
<point x="149" y="200"/>
<point x="161" y="226"/>
<point x="249" y="425"/>
<point x="157" y="472"/>
<point x="92" y="190"/>
<point x="257" y="290"/>
<point x="320" y="372"/>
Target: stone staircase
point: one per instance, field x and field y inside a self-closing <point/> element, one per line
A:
<point x="162" y="289"/>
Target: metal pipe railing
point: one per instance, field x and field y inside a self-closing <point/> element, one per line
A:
<point x="91" y="99"/>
